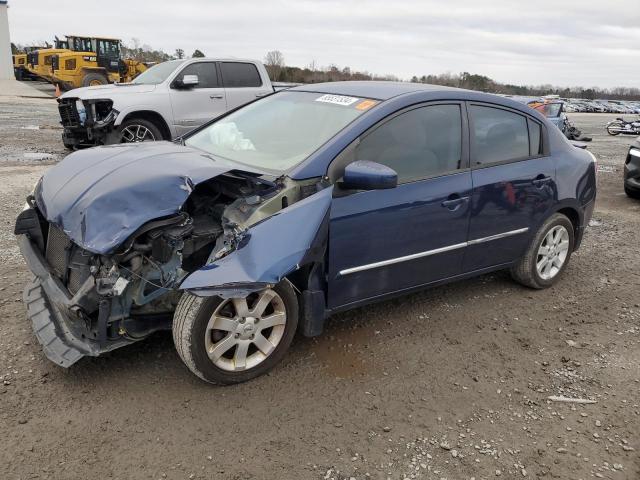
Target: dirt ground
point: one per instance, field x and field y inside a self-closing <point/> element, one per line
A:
<point x="451" y="383"/>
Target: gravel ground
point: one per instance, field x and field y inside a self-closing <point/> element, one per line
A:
<point x="451" y="383"/>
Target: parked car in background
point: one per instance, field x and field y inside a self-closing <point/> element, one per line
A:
<point x="308" y="202"/>
<point x="632" y="171"/>
<point x="164" y="102"/>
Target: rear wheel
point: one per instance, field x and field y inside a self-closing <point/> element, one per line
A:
<point x="548" y="254"/>
<point x="139" y="130"/>
<point x="233" y="340"/>
<point x="94" y="79"/>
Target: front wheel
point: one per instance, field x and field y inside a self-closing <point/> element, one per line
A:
<point x="614" y="129"/>
<point x="225" y="341"/>
<point x="139" y="130"/>
<point x="548" y="254"/>
<point x="631" y="193"/>
<point x="94" y="79"/>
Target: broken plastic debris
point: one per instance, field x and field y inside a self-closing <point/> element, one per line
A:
<point x="563" y="399"/>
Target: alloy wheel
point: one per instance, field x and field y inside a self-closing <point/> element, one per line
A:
<point x="552" y="252"/>
<point x="137" y="133"/>
<point x="243" y="332"/>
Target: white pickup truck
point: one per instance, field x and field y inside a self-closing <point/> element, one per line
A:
<point x="163" y="103"/>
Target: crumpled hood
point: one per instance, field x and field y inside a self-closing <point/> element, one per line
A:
<point x="100" y="196"/>
<point x="108" y="91"/>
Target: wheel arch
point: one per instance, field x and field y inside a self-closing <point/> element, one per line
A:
<point x="150" y="116"/>
<point x="575" y="214"/>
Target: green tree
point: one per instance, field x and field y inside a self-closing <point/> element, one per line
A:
<point x="198" y="54"/>
<point x="179" y="53"/>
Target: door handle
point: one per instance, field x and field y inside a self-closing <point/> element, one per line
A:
<point x="258" y="95"/>
<point x="454" y="202"/>
<point x="541" y="181"/>
<point x="215" y="96"/>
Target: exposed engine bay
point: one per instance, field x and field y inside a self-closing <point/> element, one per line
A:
<point x="126" y="294"/>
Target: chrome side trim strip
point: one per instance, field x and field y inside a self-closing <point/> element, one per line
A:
<point x="406" y="258"/>
<point x="498" y="236"/>
<point x="428" y="253"/>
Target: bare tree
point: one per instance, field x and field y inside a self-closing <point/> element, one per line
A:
<point x="179" y="53"/>
<point x="274" y="63"/>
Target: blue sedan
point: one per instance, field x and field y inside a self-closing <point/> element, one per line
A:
<point x="311" y="201"/>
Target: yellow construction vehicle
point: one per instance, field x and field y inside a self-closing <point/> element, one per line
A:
<point x="93" y="61"/>
<point x="39" y="61"/>
<point x="20" y="64"/>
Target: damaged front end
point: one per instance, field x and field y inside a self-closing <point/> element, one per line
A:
<point x="86" y="122"/>
<point x="228" y="235"/>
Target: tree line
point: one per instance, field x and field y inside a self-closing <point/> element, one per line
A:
<point x="279" y="71"/>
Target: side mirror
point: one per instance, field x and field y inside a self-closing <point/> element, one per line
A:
<point x="187" y="81"/>
<point x="366" y="175"/>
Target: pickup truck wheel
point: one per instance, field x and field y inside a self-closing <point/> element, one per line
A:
<point x="548" y="254"/>
<point x="226" y="341"/>
<point x="139" y="130"/>
<point x="94" y="79"/>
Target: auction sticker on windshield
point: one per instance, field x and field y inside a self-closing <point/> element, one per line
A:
<point x="337" y="99"/>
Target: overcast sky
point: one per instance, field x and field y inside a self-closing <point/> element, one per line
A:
<point x="562" y="42"/>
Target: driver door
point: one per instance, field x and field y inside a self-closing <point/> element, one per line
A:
<point x="196" y="105"/>
<point x="385" y="241"/>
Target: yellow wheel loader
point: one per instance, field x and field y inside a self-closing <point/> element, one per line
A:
<point x="93" y="61"/>
<point x="39" y="61"/>
<point x="20" y="64"/>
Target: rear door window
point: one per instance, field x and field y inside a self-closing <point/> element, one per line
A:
<point x="498" y="135"/>
<point x="237" y="75"/>
<point x="206" y="72"/>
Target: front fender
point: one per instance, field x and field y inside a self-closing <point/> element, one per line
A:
<point x="268" y="251"/>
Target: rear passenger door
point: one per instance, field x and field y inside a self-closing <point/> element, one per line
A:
<point x="242" y="83"/>
<point x="514" y="184"/>
<point x="194" y="106"/>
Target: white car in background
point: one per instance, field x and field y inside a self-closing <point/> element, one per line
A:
<point x="163" y="103"/>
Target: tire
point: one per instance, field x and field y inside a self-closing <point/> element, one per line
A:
<point x="137" y="130"/>
<point x="614" y="132"/>
<point x="194" y="336"/>
<point x="631" y="193"/>
<point x="93" y="79"/>
<point x="526" y="270"/>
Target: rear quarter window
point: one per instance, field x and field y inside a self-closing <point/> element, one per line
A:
<point x="238" y="75"/>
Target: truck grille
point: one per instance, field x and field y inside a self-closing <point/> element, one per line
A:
<point x="57" y="251"/>
<point x="68" y="114"/>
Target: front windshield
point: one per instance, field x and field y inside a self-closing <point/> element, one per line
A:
<point x="280" y="131"/>
<point x="157" y="74"/>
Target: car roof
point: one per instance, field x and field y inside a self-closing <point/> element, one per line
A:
<point x="379" y="90"/>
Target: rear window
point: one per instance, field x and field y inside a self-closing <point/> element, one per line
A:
<point x="235" y="74"/>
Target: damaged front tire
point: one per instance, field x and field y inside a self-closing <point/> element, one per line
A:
<point x="227" y="341"/>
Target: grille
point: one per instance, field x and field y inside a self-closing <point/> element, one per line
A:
<point x="69" y="114"/>
<point x="75" y="280"/>
<point x="57" y="250"/>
